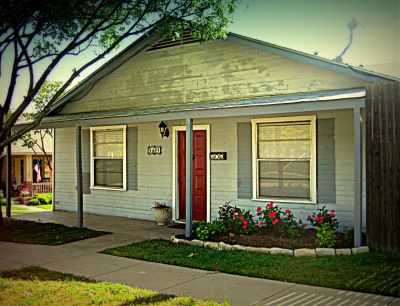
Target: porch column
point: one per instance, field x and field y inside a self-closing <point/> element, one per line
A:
<point x="189" y="176"/>
<point x="8" y="182"/>
<point x="357" y="177"/>
<point x="79" y="177"/>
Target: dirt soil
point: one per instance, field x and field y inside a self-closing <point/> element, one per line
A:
<point x="268" y="239"/>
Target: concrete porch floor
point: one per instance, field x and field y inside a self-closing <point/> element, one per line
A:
<point x="124" y="230"/>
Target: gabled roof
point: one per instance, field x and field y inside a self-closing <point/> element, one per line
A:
<point x="148" y="40"/>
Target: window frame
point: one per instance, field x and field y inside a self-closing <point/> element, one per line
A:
<point x="313" y="159"/>
<point x="92" y="157"/>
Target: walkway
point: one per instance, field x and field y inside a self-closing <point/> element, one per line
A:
<point x="81" y="258"/>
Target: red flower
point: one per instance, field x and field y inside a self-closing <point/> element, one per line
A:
<point x="244" y="226"/>
<point x="272" y="214"/>
<point x="259" y="209"/>
<point x="234" y="216"/>
<point x="319" y="219"/>
<point x="270" y="205"/>
<point x="260" y="224"/>
<point x="309" y="217"/>
<point x="332" y="210"/>
<point x="332" y="215"/>
<point x="304" y="225"/>
<point x="241" y="218"/>
<point x="275" y="222"/>
<point x="245" y="222"/>
<point x="332" y="221"/>
<point x="288" y="211"/>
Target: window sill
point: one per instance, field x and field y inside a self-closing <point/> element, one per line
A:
<point x="107" y="188"/>
<point x="280" y="200"/>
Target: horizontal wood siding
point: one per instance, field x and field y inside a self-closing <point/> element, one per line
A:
<point x="326" y="175"/>
<point x="196" y="73"/>
<point x="229" y="135"/>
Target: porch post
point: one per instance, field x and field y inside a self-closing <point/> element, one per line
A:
<point x="8" y="182"/>
<point x="189" y="176"/>
<point x="79" y="176"/>
<point x="357" y="177"/>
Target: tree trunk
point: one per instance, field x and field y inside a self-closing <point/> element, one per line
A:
<point x="1" y="185"/>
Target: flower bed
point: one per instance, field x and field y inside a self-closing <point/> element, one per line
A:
<point x="273" y="227"/>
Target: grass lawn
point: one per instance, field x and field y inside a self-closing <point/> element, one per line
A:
<point x="43" y="233"/>
<point x="45" y="206"/>
<point x="371" y="272"/>
<point x="37" y="286"/>
<point x="19" y="210"/>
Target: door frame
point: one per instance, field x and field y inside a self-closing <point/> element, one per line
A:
<point x="175" y="183"/>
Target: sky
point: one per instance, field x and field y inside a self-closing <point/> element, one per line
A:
<point x="305" y="25"/>
<point x="321" y="26"/>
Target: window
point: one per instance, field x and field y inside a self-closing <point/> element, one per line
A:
<point x="284" y="163"/>
<point x="108" y="157"/>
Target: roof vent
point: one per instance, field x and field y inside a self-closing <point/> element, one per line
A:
<point x="186" y="38"/>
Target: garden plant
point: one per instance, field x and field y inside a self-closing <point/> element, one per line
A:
<point x="272" y="224"/>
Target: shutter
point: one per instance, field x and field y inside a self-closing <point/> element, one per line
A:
<point x="326" y="161"/>
<point x="132" y="160"/>
<point x="244" y="165"/>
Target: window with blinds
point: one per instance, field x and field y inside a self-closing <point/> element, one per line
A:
<point x="284" y="158"/>
<point x="108" y="157"/>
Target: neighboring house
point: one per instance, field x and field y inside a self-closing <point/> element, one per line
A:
<point x="270" y="124"/>
<point x="30" y="168"/>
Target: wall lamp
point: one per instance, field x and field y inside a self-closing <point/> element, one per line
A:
<point x="163" y="130"/>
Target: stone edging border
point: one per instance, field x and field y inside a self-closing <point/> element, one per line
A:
<point x="317" y="252"/>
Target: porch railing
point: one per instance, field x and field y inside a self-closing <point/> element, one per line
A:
<point x="38" y="188"/>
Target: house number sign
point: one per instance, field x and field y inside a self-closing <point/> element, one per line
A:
<point x="218" y="155"/>
<point x="154" y="150"/>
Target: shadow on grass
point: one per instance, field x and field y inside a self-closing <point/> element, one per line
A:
<point x="38" y="273"/>
<point x="44" y="233"/>
<point x="158" y="298"/>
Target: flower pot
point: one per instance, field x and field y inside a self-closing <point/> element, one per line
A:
<point x="161" y="215"/>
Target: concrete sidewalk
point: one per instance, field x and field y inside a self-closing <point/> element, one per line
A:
<point x="81" y="258"/>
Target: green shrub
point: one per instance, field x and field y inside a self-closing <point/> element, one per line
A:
<point x="349" y="235"/>
<point x="326" y="236"/>
<point x="226" y="211"/>
<point x="236" y="220"/>
<point x="3" y="202"/>
<point x="323" y="216"/>
<point x="34" y="202"/>
<point x="274" y="217"/>
<point x="202" y="230"/>
<point x="41" y="199"/>
<point x="208" y="231"/>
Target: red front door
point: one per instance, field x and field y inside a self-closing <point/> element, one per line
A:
<point x="199" y="197"/>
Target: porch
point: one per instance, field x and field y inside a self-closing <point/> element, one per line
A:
<point x="124" y="229"/>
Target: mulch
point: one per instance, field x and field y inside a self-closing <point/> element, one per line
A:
<point x="267" y="238"/>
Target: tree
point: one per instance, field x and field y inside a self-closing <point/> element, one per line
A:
<point x="35" y="140"/>
<point x="36" y="36"/>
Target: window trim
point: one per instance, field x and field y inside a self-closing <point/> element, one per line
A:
<point x="313" y="159"/>
<point x="124" y="172"/>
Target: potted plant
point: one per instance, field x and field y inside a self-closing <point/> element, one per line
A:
<point x="161" y="212"/>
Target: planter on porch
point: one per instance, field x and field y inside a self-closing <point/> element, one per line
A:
<point x="161" y="213"/>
